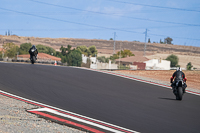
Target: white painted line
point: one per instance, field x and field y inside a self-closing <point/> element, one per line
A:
<point x="67" y="111"/>
<point x="78" y="119"/>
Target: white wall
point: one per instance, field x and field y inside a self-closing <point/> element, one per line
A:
<point x="84" y="58"/>
<point x="157" y="64"/>
<point x="97" y="65"/>
<point x="106" y="65"/>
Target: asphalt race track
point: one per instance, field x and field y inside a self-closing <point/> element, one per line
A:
<point x="130" y="104"/>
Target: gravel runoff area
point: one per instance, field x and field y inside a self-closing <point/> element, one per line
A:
<point x="15" y="119"/>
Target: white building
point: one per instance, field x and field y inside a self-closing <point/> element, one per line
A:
<point x="97" y="65"/>
<point x="106" y="65"/>
<point x="84" y="58"/>
<point x="157" y="64"/>
<point x="93" y="61"/>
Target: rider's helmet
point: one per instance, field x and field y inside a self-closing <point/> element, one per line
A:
<point x="179" y="69"/>
<point x="33" y="46"/>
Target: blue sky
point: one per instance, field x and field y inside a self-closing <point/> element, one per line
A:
<point x="99" y="19"/>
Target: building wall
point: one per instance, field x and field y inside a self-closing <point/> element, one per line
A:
<point x="84" y="58"/>
<point x="124" y="63"/>
<point x="157" y="64"/>
<point x="133" y="67"/>
<point x="140" y="65"/>
<point x="106" y="65"/>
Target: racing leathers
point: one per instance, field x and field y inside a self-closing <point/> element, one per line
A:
<point x="178" y="75"/>
<point x="35" y="52"/>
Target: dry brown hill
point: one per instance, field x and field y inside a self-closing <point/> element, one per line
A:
<point x="103" y="44"/>
<point x="106" y="46"/>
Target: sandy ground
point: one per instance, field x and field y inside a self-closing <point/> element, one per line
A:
<point x="165" y="75"/>
<point x="15" y="119"/>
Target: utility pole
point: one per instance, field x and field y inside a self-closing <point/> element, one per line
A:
<point x="17" y="55"/>
<point x="3" y="49"/>
<point x="145" y="42"/>
<point x="120" y="55"/>
<point x="114" y="43"/>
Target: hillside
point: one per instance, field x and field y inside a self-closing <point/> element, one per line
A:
<point x="105" y="47"/>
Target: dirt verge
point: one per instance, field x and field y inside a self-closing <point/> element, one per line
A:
<point x="165" y="75"/>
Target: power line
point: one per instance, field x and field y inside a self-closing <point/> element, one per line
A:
<point x="176" y="37"/>
<point x="102" y="13"/>
<point x="162" y="7"/>
<point x="55" y="29"/>
<point x="90" y="25"/>
<point x="78" y="23"/>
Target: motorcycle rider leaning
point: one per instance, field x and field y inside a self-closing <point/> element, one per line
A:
<point x="178" y="75"/>
<point x="33" y="47"/>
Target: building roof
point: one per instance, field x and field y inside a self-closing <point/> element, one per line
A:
<point x="41" y="56"/>
<point x="133" y="59"/>
<point x="1" y="49"/>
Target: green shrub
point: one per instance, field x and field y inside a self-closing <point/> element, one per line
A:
<point x="189" y="66"/>
<point x="173" y="59"/>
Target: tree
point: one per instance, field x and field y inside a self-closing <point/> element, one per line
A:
<point x="103" y="59"/>
<point x="168" y="40"/>
<point x="24" y="48"/>
<point x="69" y="49"/>
<point x="114" y="57"/>
<point x="45" y="49"/>
<point x="111" y="38"/>
<point x="63" y="59"/>
<point x="189" y="66"/>
<point x="173" y="59"/>
<point x="1" y="54"/>
<point x="63" y="51"/>
<point x="83" y="49"/>
<point x="93" y="50"/>
<point x="125" y="53"/>
<point x="74" y="58"/>
<point x="149" y="41"/>
<point x="11" y="49"/>
<point x="161" y="42"/>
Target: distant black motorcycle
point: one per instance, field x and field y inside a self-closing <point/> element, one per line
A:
<point x="33" y="55"/>
<point x="179" y="89"/>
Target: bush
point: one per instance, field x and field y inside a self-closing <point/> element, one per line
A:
<point x="173" y="59"/>
<point x="103" y="59"/>
<point x="74" y="58"/>
<point x="45" y="49"/>
<point x="189" y="66"/>
<point x="24" y="48"/>
<point x="123" y="67"/>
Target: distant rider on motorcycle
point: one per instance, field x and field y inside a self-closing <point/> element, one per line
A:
<point x="30" y="52"/>
<point x="178" y="75"/>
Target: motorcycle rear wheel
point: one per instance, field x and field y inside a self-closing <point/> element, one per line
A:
<point x="179" y="94"/>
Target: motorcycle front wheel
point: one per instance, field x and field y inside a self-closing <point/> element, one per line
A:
<point x="33" y="60"/>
